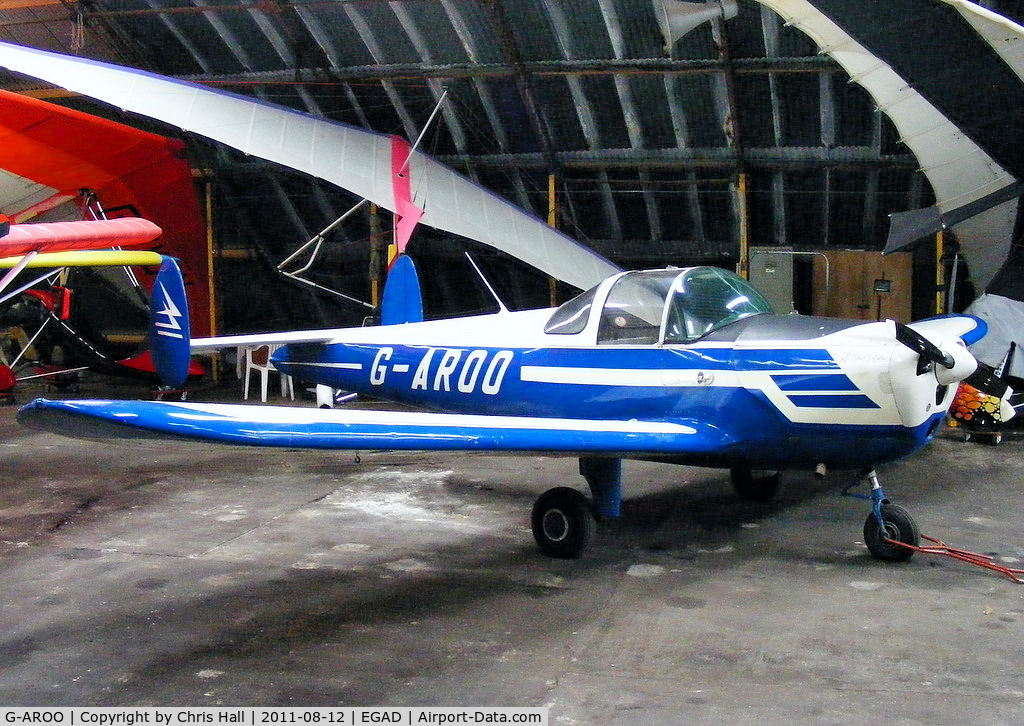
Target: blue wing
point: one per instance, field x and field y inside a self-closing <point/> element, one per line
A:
<point x="316" y="428"/>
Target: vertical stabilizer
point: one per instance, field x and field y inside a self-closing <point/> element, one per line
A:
<point x="169" y="327"/>
<point x="402" y="301"/>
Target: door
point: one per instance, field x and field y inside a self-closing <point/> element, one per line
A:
<point x="863" y="285"/>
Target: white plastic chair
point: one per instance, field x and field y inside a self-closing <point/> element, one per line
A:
<point x="257" y="358"/>
<point x="324" y="396"/>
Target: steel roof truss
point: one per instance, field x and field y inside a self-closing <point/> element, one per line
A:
<point x="234" y="45"/>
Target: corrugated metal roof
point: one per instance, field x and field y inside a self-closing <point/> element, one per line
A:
<point x="645" y="142"/>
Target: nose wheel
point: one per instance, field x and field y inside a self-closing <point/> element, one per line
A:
<point x="897" y="526"/>
<point x="889" y="526"/>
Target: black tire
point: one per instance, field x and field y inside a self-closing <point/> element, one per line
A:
<point x="761" y="487"/>
<point x="899" y="526"/>
<point x="563" y="523"/>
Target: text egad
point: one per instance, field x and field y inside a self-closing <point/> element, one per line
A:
<point x="259" y="716"/>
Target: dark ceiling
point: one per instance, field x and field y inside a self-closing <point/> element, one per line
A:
<point x="644" y="144"/>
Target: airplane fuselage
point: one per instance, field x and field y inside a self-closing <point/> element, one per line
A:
<point x="783" y="391"/>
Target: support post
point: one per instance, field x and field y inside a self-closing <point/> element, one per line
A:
<point x="376" y="256"/>
<point x="744" y="266"/>
<point x="211" y="276"/>
<point x="552" y="222"/>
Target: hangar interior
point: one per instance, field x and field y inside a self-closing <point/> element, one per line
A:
<point x="207" y="576"/>
<point x="654" y="133"/>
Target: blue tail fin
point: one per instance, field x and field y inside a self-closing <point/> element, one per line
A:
<point x="402" y="301"/>
<point x="168" y="326"/>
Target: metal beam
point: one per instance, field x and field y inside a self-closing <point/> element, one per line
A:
<point x="625" y="66"/>
<point x="521" y="74"/>
<point x="683" y="160"/>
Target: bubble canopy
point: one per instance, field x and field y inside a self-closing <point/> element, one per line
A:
<point x="648" y="307"/>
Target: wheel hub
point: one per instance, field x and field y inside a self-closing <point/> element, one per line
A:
<point x="555" y="525"/>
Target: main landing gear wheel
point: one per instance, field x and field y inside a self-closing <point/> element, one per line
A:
<point x="563" y="523"/>
<point x="755" y="486"/>
<point x="899" y="526"/>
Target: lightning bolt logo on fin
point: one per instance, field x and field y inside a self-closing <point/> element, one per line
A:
<point x="170" y="310"/>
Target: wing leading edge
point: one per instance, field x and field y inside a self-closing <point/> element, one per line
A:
<point x="294" y="427"/>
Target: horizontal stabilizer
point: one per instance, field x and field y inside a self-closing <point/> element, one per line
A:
<point x="908" y="228"/>
<point x="221" y="342"/>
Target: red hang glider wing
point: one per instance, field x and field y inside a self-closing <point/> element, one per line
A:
<point x="84" y="235"/>
<point x="67" y="150"/>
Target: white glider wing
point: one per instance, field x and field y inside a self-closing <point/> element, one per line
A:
<point x="958" y="166"/>
<point x="352" y="158"/>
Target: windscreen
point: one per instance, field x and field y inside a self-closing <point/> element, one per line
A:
<point x="704" y="299"/>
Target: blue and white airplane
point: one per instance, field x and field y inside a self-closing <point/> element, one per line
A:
<point x="678" y="365"/>
<point x="687" y="365"/>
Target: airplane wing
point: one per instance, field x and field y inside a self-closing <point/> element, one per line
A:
<point x="83" y="235"/>
<point x="352" y="158"/>
<point x="294" y="427"/>
<point x="969" y="328"/>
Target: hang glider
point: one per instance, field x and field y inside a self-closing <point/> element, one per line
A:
<point x="360" y="161"/>
<point x="953" y="90"/>
<point x="27" y="241"/>
<point x="952" y="94"/>
<point x="87" y="243"/>
<point x="686" y="366"/>
<point x="61" y="164"/>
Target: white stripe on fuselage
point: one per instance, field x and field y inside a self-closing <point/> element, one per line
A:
<point x="859" y="352"/>
<point x="619" y="376"/>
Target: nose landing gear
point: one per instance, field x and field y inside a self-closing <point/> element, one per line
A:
<point x="890" y="533"/>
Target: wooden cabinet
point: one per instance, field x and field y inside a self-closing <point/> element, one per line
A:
<point x="863" y="285"/>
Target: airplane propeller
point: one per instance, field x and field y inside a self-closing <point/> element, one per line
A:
<point x="928" y="353"/>
<point x="988" y="389"/>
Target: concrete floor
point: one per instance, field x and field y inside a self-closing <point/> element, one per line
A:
<point x="198" y="576"/>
